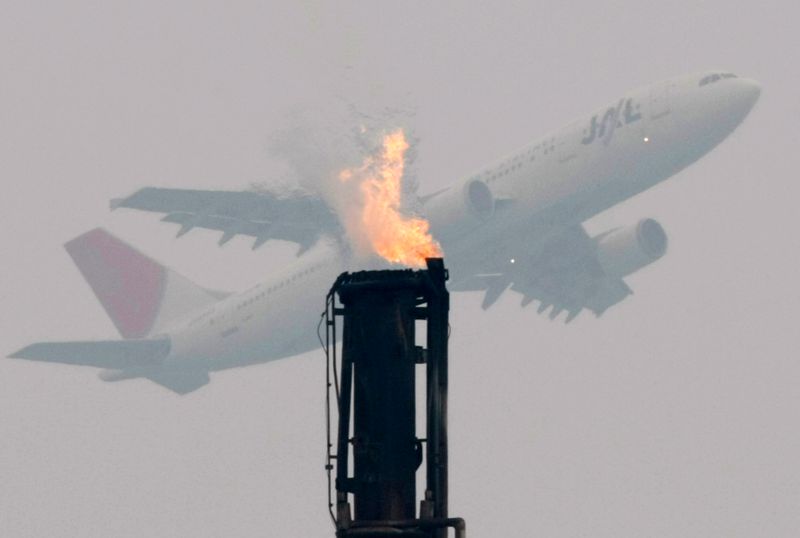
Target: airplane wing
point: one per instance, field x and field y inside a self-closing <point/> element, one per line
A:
<point x="564" y="274"/>
<point x="115" y="354"/>
<point x="296" y="217"/>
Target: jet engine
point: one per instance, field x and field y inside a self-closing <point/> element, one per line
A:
<point x="624" y="250"/>
<point x="458" y="210"/>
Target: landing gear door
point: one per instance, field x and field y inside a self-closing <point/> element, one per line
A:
<point x="659" y="100"/>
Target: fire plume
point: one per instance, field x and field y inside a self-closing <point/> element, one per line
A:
<point x="392" y="235"/>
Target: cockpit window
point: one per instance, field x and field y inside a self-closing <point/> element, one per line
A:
<point x="714" y="77"/>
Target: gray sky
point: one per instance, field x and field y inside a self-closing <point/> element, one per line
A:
<point x="674" y="415"/>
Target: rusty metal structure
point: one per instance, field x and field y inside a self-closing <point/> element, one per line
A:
<point x="374" y="386"/>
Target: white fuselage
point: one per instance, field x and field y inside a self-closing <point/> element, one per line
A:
<point x="590" y="165"/>
<point x="274" y="319"/>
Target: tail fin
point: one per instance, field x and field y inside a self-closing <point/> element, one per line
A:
<point x="139" y="294"/>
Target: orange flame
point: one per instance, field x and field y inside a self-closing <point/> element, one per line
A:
<point x="393" y="236"/>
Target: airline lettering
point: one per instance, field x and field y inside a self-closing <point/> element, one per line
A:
<point x="604" y="128"/>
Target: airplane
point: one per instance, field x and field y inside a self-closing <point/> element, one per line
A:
<point x="513" y="225"/>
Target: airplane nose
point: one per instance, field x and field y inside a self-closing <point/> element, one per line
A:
<point x="727" y="104"/>
<point x="711" y="108"/>
<point x="745" y="94"/>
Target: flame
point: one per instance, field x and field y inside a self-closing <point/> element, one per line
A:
<point x="393" y="236"/>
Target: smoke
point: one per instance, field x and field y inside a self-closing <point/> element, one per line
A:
<point x="318" y="142"/>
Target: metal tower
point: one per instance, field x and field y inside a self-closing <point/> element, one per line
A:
<point x="375" y="398"/>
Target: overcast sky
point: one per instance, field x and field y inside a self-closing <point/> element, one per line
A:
<point x="674" y="415"/>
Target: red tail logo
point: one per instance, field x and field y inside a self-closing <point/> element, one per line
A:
<point x="128" y="284"/>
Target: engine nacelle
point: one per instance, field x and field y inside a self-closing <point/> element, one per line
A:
<point x="458" y="210"/>
<point x="622" y="251"/>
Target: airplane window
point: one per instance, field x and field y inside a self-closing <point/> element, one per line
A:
<point x="709" y="79"/>
<point x="714" y="77"/>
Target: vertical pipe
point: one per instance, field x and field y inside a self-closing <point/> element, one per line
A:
<point x="343" y="444"/>
<point x="385" y="453"/>
<point x="377" y="392"/>
<point x="437" y="312"/>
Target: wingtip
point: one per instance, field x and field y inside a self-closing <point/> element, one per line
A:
<point x="119" y="201"/>
<point x="20" y="353"/>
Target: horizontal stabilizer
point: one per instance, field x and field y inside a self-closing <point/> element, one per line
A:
<point x="181" y="382"/>
<point x="116" y="354"/>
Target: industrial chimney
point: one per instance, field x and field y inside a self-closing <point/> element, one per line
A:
<point x="373" y="387"/>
